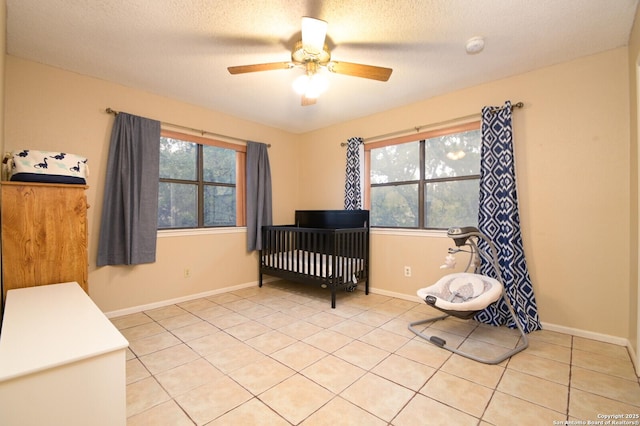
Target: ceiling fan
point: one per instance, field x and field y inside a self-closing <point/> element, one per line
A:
<point x="312" y="54"/>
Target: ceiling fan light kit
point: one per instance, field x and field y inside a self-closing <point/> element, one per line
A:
<point x="311" y="86"/>
<point x="312" y="54"/>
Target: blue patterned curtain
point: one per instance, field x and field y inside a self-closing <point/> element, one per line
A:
<point x="499" y="220"/>
<point x="353" y="182"/>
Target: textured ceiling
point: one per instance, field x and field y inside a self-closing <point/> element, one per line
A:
<point x="182" y="48"/>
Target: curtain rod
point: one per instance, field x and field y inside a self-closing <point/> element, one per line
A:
<point x="191" y="129"/>
<point x="438" y="124"/>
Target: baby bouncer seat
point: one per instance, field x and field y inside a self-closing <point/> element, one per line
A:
<point x="464" y="294"/>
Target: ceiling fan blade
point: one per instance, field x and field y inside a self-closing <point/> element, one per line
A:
<point x="241" y="69"/>
<point x="360" y="70"/>
<point x="307" y="101"/>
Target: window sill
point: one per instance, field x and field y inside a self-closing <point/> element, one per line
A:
<point x="201" y="231"/>
<point x="410" y="232"/>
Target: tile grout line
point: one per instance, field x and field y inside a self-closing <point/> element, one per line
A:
<point x="298" y="372"/>
<point x="570" y="376"/>
<point x="227" y="375"/>
<point x="495" y="388"/>
<point x="336" y="395"/>
<point x="171" y="397"/>
<point x="363" y="308"/>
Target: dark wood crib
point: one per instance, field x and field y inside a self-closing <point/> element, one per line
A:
<point x="329" y="248"/>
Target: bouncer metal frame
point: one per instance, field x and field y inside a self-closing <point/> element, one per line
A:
<point x="469" y="236"/>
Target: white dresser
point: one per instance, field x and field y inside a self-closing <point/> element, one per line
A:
<point x="62" y="362"/>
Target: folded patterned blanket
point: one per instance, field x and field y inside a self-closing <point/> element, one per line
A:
<point x="46" y="166"/>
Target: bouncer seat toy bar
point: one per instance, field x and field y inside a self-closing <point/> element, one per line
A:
<point x="464" y="294"/>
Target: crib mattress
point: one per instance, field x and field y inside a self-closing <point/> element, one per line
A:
<point x="316" y="264"/>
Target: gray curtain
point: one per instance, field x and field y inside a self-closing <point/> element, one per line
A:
<point x="258" y="176"/>
<point x="128" y="230"/>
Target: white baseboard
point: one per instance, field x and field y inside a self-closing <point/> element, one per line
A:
<point x="162" y="303"/>
<point x="394" y="294"/>
<point x="620" y="341"/>
<point x="634" y="358"/>
<point x="605" y="338"/>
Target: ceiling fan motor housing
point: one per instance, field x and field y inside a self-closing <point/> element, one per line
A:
<point x="299" y="56"/>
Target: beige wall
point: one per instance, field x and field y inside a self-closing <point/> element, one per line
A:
<point x="634" y="78"/>
<point x="3" y="48"/>
<point x="572" y="148"/>
<point x="52" y="109"/>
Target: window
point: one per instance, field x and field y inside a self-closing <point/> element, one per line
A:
<point x="201" y="182"/>
<point x="427" y="181"/>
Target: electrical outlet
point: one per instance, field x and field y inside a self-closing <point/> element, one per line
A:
<point x="187" y="272"/>
<point x="407" y="271"/>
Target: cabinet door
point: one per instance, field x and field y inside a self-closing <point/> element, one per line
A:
<point x="44" y="235"/>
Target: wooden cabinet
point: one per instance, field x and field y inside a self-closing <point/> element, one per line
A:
<point x="44" y="235"/>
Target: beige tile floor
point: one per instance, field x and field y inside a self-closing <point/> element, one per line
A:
<point x="279" y="355"/>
